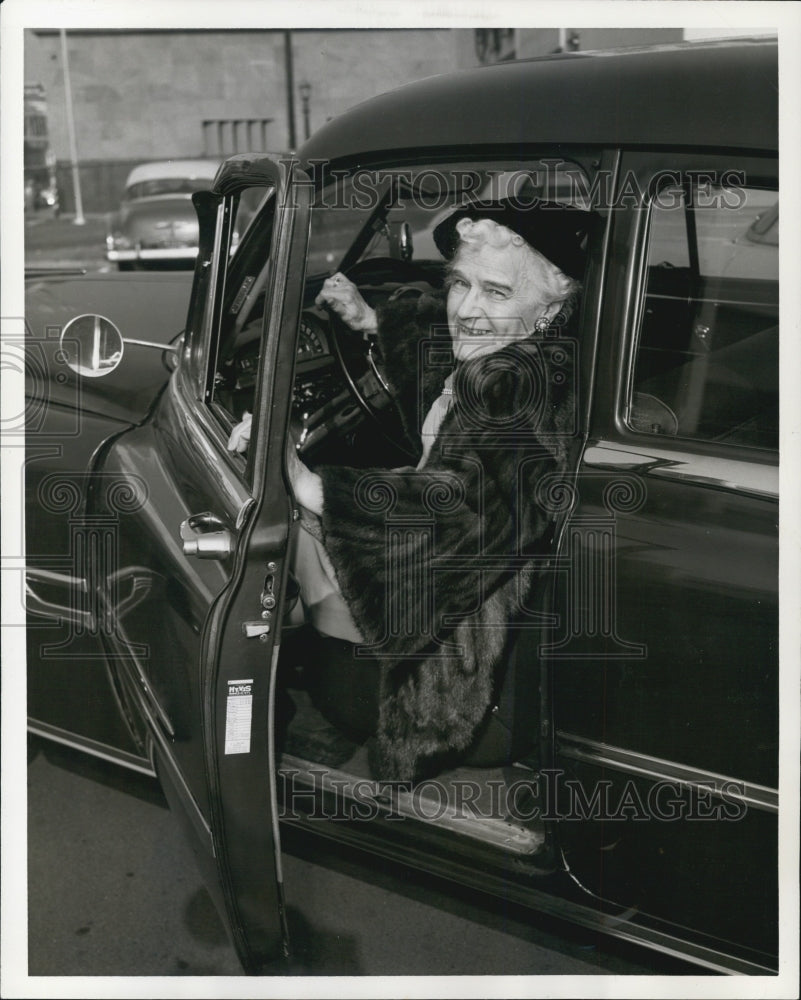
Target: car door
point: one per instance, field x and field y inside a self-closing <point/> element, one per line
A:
<point x="190" y="571"/>
<point x="665" y="665"/>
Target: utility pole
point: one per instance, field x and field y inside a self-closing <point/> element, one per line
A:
<point x="305" y="93"/>
<point x="290" y="89"/>
<point x="79" y="219"/>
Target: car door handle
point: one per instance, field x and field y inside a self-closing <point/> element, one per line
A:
<point x="205" y="536"/>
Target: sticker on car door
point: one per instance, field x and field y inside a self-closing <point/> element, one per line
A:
<point x="238" y="716"/>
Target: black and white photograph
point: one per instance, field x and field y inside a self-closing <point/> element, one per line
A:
<point x="399" y="502"/>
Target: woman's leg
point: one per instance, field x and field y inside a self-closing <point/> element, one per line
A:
<point x="326" y="608"/>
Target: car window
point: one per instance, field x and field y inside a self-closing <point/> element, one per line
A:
<point x="240" y="301"/>
<point x="707" y="350"/>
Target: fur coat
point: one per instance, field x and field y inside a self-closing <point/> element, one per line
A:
<point x="435" y="563"/>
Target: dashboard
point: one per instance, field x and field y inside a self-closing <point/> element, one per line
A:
<point x="312" y="339"/>
<point x="317" y="376"/>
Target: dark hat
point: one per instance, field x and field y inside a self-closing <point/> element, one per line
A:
<point x="554" y="230"/>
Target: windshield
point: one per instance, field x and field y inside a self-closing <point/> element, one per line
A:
<point x="393" y="212"/>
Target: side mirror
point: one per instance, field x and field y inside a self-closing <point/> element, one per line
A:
<point x="92" y="345"/>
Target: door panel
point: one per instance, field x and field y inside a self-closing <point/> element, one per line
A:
<point x="670" y="754"/>
<point x="195" y="650"/>
<point x="695" y="598"/>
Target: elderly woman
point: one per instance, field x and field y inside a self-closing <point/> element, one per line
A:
<point x="492" y="418"/>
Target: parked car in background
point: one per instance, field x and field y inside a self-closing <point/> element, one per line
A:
<point x="626" y="779"/>
<point x="156" y="225"/>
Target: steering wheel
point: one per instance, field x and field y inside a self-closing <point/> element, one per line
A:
<point x="367" y="386"/>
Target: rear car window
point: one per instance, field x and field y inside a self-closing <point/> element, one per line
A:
<point x="706" y="364"/>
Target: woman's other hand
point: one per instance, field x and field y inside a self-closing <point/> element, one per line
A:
<point x="240" y="435"/>
<point x="341" y="295"/>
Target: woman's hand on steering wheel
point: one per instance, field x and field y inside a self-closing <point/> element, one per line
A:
<point x="344" y="298"/>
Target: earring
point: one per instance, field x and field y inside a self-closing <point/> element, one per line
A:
<point x="542" y="324"/>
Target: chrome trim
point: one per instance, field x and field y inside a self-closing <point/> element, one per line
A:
<point x="126" y="652"/>
<point x="161" y="744"/>
<point x="733" y="474"/>
<point x="35" y="604"/>
<point x="273" y="792"/>
<point x="140" y="579"/>
<point x="376" y="372"/>
<point x="655" y="768"/>
<point x="242" y="515"/>
<point x="92" y="747"/>
<point x="155" y="253"/>
<point x="712" y="299"/>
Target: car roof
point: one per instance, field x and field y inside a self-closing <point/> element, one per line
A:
<point x="161" y="169"/>
<point x="720" y="94"/>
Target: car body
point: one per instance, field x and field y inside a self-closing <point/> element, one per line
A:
<point x="156" y="223"/>
<point x="634" y="740"/>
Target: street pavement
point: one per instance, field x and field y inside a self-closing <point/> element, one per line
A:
<point x="113" y="890"/>
<point x="55" y="241"/>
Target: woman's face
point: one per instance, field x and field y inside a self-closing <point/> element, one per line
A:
<point x="495" y="296"/>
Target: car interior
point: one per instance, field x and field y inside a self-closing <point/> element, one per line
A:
<point x="706" y="366"/>
<point x="328" y="697"/>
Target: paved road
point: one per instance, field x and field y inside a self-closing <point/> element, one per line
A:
<point x="52" y="241"/>
<point x="113" y="891"/>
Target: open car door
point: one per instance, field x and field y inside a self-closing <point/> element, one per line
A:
<point x="191" y="571"/>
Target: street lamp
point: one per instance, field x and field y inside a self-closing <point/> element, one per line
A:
<point x="305" y="92"/>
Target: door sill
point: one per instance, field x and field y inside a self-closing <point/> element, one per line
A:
<point x="496" y="806"/>
<point x="466" y="801"/>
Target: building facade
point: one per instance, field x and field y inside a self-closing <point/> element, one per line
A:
<point x="149" y="95"/>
